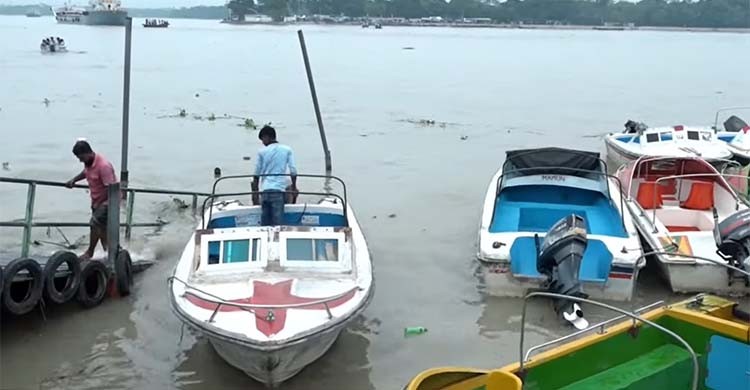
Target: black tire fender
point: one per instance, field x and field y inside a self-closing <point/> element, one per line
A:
<point x="73" y="280"/>
<point x="34" y="293"/>
<point x="124" y="272"/>
<point x="93" y="286"/>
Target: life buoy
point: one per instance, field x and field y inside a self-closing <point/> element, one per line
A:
<point x="54" y="290"/>
<point x="93" y="287"/>
<point x="16" y="299"/>
<point x="124" y="272"/>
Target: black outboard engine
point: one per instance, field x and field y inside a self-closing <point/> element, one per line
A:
<point x="733" y="242"/>
<point x="734" y="124"/>
<point x="559" y="258"/>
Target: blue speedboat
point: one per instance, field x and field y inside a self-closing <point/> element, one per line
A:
<point x="539" y="189"/>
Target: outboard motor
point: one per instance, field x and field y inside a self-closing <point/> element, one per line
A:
<point x="734" y="124"/>
<point x="559" y="258"/>
<point x="732" y="237"/>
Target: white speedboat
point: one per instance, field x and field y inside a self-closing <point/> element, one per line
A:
<point x="681" y="207"/>
<point x="637" y="141"/>
<point x="734" y="132"/>
<point x="271" y="300"/>
<point x="53" y="47"/>
<point x="529" y="196"/>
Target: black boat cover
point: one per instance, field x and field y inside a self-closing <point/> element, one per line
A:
<point x="553" y="161"/>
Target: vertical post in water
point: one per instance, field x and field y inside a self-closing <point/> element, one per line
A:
<point x="113" y="223"/>
<point x="315" y="102"/>
<point x="28" y="220"/>
<point x="126" y="104"/>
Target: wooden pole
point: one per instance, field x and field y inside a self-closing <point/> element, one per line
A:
<point x="310" y="81"/>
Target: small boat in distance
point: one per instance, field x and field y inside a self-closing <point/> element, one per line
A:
<point x="553" y="197"/>
<point x="687" y="212"/>
<point x="273" y="299"/>
<point x="53" y="45"/>
<point x="638" y="140"/>
<point x="154" y="23"/>
<point x="33" y="14"/>
<point x="699" y="343"/>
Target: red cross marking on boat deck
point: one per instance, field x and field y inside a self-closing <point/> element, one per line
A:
<point x="271" y="294"/>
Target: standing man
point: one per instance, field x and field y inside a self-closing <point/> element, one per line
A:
<point x="99" y="174"/>
<point x="273" y="159"/>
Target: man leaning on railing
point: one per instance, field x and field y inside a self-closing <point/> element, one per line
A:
<point x="99" y="174"/>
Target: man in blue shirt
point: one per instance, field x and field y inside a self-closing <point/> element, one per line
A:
<point x="273" y="159"/>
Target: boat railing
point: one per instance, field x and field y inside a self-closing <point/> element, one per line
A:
<point x="498" y="185"/>
<point x="220" y="302"/>
<point x="327" y="187"/>
<point x="634" y="316"/>
<point x="28" y="222"/>
<point x="641" y="161"/>
<point x="716" y="118"/>
<point x="689" y="176"/>
<point x="205" y="222"/>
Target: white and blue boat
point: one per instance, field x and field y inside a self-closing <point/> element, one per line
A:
<point x="273" y="299"/>
<point x="638" y="140"/>
<point x="533" y="192"/>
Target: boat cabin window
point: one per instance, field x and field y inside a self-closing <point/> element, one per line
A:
<point x="693" y="135"/>
<point x="316" y="249"/>
<point x="706" y="135"/>
<point x="231" y="249"/>
<point x="652" y="137"/>
<point x="309" y="249"/>
<point x="666" y="136"/>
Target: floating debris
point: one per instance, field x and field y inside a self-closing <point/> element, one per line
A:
<point x="197" y="95"/>
<point x="6" y="166"/>
<point x="249" y="123"/>
<point x="464" y="137"/>
<point x="414" y="330"/>
<point x="246" y="158"/>
<point x="46" y="102"/>
<point x="391" y="215"/>
<point x="182" y="113"/>
<point x="181" y="204"/>
<point x="211" y="117"/>
<point x="428" y="122"/>
<point x="407" y="48"/>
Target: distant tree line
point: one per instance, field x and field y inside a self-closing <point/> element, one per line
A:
<point x="678" y="13"/>
<point x="673" y="13"/>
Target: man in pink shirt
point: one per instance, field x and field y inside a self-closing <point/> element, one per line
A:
<point x="99" y="174"/>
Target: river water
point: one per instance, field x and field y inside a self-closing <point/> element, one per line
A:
<point x="417" y="189"/>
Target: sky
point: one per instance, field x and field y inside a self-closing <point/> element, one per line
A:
<point x="125" y="3"/>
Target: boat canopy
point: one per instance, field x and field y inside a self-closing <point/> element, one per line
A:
<point x="553" y="160"/>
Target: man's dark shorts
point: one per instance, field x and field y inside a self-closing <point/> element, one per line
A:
<point x="99" y="216"/>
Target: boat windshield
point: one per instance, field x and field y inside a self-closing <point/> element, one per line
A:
<point x="553" y="161"/>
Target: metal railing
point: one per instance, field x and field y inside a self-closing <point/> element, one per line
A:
<point x="498" y="184"/>
<point x="713" y="261"/>
<point x="219" y="302"/>
<point x="28" y="222"/>
<point x="693" y="356"/>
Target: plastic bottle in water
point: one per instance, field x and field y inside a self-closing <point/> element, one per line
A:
<point x="414" y="330"/>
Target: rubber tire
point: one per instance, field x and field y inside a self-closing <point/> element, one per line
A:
<point x="74" y="266"/>
<point x="92" y="269"/>
<point x="123" y="272"/>
<point x="37" y="285"/>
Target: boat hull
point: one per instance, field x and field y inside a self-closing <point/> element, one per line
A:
<point x="500" y="282"/>
<point x="95" y="18"/>
<point x="273" y="366"/>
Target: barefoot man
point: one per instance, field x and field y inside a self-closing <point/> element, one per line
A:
<point x="99" y="173"/>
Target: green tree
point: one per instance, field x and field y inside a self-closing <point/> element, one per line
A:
<point x="240" y="8"/>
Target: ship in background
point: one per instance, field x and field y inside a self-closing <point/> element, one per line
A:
<point x="98" y="13"/>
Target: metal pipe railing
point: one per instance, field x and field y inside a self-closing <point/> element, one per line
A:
<point x="251" y="307"/>
<point x="693" y="356"/>
<point x="600" y="326"/>
<point x="28" y="221"/>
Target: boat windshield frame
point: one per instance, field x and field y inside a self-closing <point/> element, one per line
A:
<point x="634" y="170"/>
<point x="719" y="111"/>
<point x="327" y="187"/>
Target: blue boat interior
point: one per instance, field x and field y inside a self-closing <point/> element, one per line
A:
<point x="291" y="218"/>
<point x="535" y="208"/>
<point x="629" y="138"/>
<point x="595" y="266"/>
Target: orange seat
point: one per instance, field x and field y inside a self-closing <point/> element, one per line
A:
<point x="701" y="196"/>
<point x="649" y="195"/>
